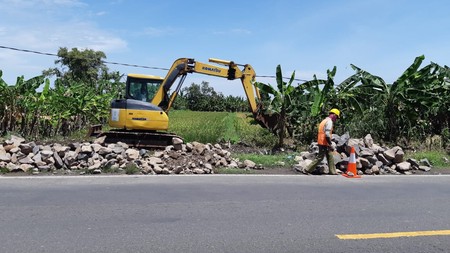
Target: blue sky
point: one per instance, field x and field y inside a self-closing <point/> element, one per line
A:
<point x="308" y="37"/>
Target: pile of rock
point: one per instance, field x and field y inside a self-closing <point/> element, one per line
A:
<point x="371" y="158"/>
<point x="17" y="155"/>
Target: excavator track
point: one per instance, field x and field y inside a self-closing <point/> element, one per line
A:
<point x="138" y="139"/>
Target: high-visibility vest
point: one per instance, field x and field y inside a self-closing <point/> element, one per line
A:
<point x="321" y="136"/>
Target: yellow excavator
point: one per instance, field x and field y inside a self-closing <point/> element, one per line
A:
<point x="140" y="118"/>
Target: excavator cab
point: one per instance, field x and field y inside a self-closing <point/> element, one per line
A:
<point x="135" y="111"/>
<point x="142" y="87"/>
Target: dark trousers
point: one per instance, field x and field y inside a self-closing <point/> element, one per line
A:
<point x="323" y="151"/>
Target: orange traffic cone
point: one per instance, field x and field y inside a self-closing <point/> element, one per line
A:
<point x="351" y="167"/>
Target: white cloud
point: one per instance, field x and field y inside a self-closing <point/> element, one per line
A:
<point x="27" y="25"/>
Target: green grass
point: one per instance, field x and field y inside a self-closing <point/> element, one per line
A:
<point x="131" y="169"/>
<point x="435" y="157"/>
<point x="110" y="169"/>
<point x="268" y="160"/>
<point x="3" y="170"/>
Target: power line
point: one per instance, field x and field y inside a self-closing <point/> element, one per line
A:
<point x="274" y="77"/>
<point x="118" y="63"/>
<point x="107" y="62"/>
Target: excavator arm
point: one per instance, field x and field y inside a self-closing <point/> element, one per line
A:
<point x="183" y="66"/>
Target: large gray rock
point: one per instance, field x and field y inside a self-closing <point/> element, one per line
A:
<point x="424" y="168"/>
<point x="103" y="151"/>
<point x="368" y="141"/>
<point x="157" y="169"/>
<point x="425" y="162"/>
<point x="302" y="165"/>
<point x="383" y="159"/>
<point x="16" y="140"/>
<point x="14" y="150"/>
<point x="372" y="159"/>
<point x="364" y="162"/>
<point x="11" y="167"/>
<point x="131" y="154"/>
<point x="178" y="170"/>
<point x="100" y="140"/>
<point x="7" y="147"/>
<point x="2" y="150"/>
<point x="189" y="147"/>
<point x="389" y="154"/>
<point x="177" y="143"/>
<point x="249" y="164"/>
<point x="70" y="158"/>
<point x="5" y="157"/>
<point x="198" y="171"/>
<point x="399" y="156"/>
<point x="337" y="158"/>
<point x="60" y="149"/>
<point x="118" y="149"/>
<point x="377" y="149"/>
<point x="86" y="149"/>
<point x="375" y="169"/>
<point x="366" y="152"/>
<point x="46" y="154"/>
<point x="26" y="160"/>
<point x="413" y="162"/>
<point x="97" y="165"/>
<point x="96" y="147"/>
<point x="26" y="148"/>
<point x="36" y="149"/>
<point x="123" y="145"/>
<point x="232" y="164"/>
<point x="198" y="148"/>
<point x="59" y="164"/>
<point x="308" y="156"/>
<point x="26" y="167"/>
<point x="356" y="143"/>
<point x="343" y="140"/>
<point x="155" y="161"/>
<point x="404" y="166"/>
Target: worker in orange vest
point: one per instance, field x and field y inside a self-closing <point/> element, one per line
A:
<point x="325" y="132"/>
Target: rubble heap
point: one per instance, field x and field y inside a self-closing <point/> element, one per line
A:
<point x="17" y="155"/>
<point x="372" y="159"/>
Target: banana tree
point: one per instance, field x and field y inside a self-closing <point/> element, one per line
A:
<point x="400" y="100"/>
<point x="280" y="102"/>
<point x="320" y="96"/>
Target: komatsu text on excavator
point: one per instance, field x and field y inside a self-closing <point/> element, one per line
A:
<point x="140" y="118"/>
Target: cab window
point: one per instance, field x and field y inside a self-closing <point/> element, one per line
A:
<point x="142" y="89"/>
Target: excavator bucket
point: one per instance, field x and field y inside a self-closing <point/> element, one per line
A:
<point x="269" y="121"/>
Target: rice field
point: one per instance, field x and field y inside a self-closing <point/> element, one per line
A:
<point x="213" y="127"/>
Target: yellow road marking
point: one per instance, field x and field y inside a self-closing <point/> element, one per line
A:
<point x="393" y="235"/>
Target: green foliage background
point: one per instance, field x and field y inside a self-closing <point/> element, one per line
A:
<point x="413" y="108"/>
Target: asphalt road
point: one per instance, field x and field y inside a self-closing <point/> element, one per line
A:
<point x="222" y="213"/>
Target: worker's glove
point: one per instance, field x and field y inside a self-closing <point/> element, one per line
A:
<point x="328" y="139"/>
